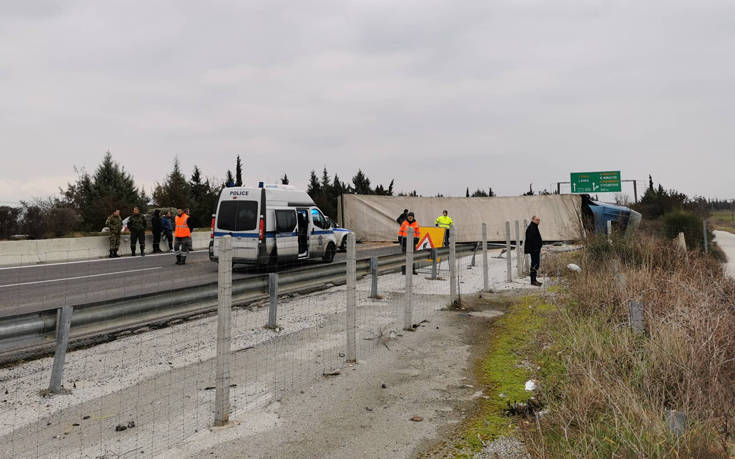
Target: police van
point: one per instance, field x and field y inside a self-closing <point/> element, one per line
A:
<point x="271" y="224"/>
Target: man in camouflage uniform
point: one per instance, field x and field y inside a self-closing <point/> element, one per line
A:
<point x="114" y="223"/>
<point x="137" y="226"/>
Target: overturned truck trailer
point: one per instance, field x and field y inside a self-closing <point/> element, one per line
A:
<point x="373" y="218"/>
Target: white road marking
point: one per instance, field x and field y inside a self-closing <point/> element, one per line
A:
<point x="79" y="277"/>
<point x="96" y="260"/>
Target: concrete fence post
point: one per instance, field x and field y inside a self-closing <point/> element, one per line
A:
<point x="681" y="243"/>
<point x="374" y="276"/>
<point x="408" y="306"/>
<point x="63" y="325"/>
<point x="434" y="256"/>
<point x="273" y="306"/>
<point x="351" y="303"/>
<point x="704" y="234"/>
<point x="519" y="252"/>
<point x="485" y="280"/>
<point x="224" y="311"/>
<point x="609" y="230"/>
<point x="508" y="259"/>
<point x="453" y="265"/>
<point x="526" y="257"/>
<point x="635" y="316"/>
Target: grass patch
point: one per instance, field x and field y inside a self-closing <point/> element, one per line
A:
<point x="503" y="371"/>
<point x="723" y="220"/>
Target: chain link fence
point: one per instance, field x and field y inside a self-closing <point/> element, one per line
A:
<point x="220" y="347"/>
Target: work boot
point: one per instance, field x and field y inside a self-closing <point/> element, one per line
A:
<point x="536" y="283"/>
<point x="178" y="259"/>
<point x="112" y="254"/>
<point x="142" y="252"/>
<point x="183" y="260"/>
<point x="132" y="252"/>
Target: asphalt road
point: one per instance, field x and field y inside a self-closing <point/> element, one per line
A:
<point x="39" y="287"/>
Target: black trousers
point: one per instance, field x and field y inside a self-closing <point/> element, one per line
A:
<point x="156" y="241"/>
<point x="168" y="235"/>
<point x="137" y="236"/>
<point x="535" y="264"/>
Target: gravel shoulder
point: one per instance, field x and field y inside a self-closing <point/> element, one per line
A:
<point x="426" y="373"/>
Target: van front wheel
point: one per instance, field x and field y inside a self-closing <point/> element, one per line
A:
<point x="329" y="253"/>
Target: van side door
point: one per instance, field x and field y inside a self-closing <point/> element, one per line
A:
<point x="287" y="236"/>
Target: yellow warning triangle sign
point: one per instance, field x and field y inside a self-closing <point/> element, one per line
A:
<point x="425" y="243"/>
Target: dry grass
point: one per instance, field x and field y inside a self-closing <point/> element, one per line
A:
<point x="609" y="396"/>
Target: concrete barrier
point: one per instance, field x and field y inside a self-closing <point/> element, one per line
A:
<point x="18" y="253"/>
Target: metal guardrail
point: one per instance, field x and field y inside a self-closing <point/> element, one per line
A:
<point x="33" y="334"/>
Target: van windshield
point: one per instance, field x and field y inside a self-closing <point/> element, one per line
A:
<point x="238" y="215"/>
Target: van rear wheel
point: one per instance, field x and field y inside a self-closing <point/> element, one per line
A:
<point x="329" y="253"/>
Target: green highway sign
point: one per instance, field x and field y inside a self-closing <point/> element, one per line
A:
<point x="595" y="182"/>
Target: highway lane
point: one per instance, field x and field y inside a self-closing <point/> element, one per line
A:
<point x="39" y="287"/>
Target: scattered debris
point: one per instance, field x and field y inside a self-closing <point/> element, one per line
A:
<point x="417" y="419"/>
<point x="84" y="418"/>
<point x="383" y="386"/>
<point x="367" y="408"/>
<point x="131" y="424"/>
<point x="530" y="385"/>
<point x="210" y="388"/>
<point x="331" y="373"/>
<point x="573" y="267"/>
<point x="120" y="428"/>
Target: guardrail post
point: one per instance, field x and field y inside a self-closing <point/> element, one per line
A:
<point x="434" y="256"/>
<point x="704" y="233"/>
<point x="485" y="280"/>
<point x="408" y="307"/>
<point x="351" y="304"/>
<point x="374" y="274"/>
<point x="519" y="252"/>
<point x="63" y="324"/>
<point x="224" y="311"/>
<point x="474" y="254"/>
<point x="453" y="266"/>
<point x="508" y="259"/>
<point x="273" y="306"/>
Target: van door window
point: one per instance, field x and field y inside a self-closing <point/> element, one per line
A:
<point x="285" y="221"/>
<point x="237" y="215"/>
<point x="319" y="220"/>
<point x="247" y="215"/>
<point x="227" y="216"/>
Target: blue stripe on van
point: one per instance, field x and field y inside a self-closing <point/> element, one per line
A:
<point x="269" y="234"/>
<point x="324" y="232"/>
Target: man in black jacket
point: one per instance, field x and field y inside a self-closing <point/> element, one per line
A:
<point x="532" y="246"/>
<point x="400" y="221"/>
<point x="157" y="228"/>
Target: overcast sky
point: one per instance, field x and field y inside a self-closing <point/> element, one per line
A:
<point x="439" y="95"/>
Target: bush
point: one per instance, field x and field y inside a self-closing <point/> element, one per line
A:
<point x="8" y="221"/>
<point x="684" y="222"/>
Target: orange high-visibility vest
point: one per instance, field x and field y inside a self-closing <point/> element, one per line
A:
<point x="182" y="229"/>
<point x="403" y="232"/>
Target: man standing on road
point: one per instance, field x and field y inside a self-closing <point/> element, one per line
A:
<point x="168" y="230"/>
<point x="446" y="222"/>
<point x="114" y="223"/>
<point x="409" y="222"/>
<point x="137" y="226"/>
<point x="157" y="227"/>
<point x="401" y="218"/>
<point x="532" y="246"/>
<point x="182" y="233"/>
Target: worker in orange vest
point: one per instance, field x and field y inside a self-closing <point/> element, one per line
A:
<point x="409" y="222"/>
<point x="182" y="237"/>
